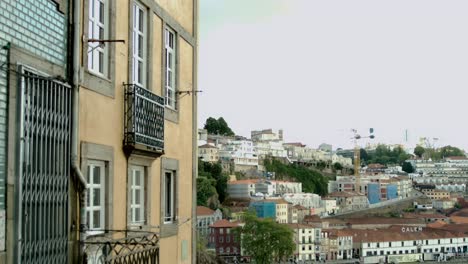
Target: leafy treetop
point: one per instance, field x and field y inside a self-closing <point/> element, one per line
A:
<point x="265" y="240"/>
<point x="218" y="127"/>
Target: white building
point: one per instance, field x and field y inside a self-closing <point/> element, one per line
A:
<point x="241" y="153"/>
<point x="270" y="148"/>
<point x="307" y="239"/>
<point x="443" y="204"/>
<point x="452" y="187"/>
<point x="399" y="241"/>
<point x="329" y="206"/>
<point x="241" y="188"/>
<point x="266" y="135"/>
<point x="308" y="200"/>
<point x="205" y="218"/>
<point x="208" y="153"/>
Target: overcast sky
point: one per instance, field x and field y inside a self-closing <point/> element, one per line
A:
<point x="319" y="68"/>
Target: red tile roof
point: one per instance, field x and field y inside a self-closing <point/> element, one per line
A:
<point x="202" y="210"/>
<point x="224" y="223"/>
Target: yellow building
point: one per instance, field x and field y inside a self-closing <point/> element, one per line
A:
<point x="435" y="194"/>
<point x="137" y="125"/>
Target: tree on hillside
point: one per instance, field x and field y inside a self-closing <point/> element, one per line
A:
<point x="449" y="151"/>
<point x="312" y="181"/>
<point x="407" y="167"/>
<point x="337" y="166"/>
<point x="419" y="151"/>
<point x="218" y="127"/>
<point x="211" y="179"/>
<point x="265" y="240"/>
<point x="206" y="192"/>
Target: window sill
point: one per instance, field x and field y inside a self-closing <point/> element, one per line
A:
<point x="171" y="114"/>
<point x="169" y="229"/>
<point x="97" y="83"/>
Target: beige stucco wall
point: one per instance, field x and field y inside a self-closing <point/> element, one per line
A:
<point x="181" y="10"/>
<point x="101" y="122"/>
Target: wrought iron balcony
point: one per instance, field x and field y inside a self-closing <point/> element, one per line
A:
<point x="122" y="247"/>
<point x="143" y="122"/>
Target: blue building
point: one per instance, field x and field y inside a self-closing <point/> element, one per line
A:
<point x="373" y="193"/>
<point x="264" y="209"/>
<point x="392" y="191"/>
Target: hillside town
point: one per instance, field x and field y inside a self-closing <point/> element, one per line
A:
<point x="380" y="215"/>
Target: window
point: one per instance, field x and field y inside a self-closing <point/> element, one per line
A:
<point x="221" y="230"/>
<point x="169" y="197"/>
<point x="139" y="45"/>
<point x="98" y="29"/>
<point x="170" y="47"/>
<point x="95" y="210"/>
<point x="228" y="239"/>
<point x="221" y="239"/>
<point x="137" y="205"/>
<point x="221" y="250"/>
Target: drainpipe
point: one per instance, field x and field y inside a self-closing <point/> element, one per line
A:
<point x="75" y="122"/>
<point x="194" y="132"/>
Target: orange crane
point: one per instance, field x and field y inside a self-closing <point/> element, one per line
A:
<point x="357" y="157"/>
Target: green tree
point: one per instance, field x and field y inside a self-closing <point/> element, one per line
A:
<point x="419" y="151"/>
<point x="211" y="174"/>
<point x="364" y="156"/>
<point x="407" y="167"/>
<point x="265" y="240"/>
<point x="203" y="255"/>
<point x="312" y="181"/>
<point x="449" y="151"/>
<point x="221" y="187"/>
<point x="218" y="127"/>
<point x="205" y="190"/>
<point x="337" y="166"/>
<point x="211" y="125"/>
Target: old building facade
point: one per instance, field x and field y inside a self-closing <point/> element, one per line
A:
<point x="98" y="109"/>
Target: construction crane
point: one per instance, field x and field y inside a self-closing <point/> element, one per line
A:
<point x="357" y="157"/>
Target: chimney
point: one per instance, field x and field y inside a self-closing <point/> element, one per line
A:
<point x="280" y="134"/>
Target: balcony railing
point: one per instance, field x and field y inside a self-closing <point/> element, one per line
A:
<point x="122" y="247"/>
<point x="143" y="121"/>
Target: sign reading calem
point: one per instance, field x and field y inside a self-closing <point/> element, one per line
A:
<point x="411" y="229"/>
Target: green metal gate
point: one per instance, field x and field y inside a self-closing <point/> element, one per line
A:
<point x="44" y="168"/>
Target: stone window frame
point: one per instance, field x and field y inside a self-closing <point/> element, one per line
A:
<point x="171" y="114"/>
<point x="104" y="85"/>
<point x="169" y="165"/>
<point x="97" y="152"/>
<point x="146" y="163"/>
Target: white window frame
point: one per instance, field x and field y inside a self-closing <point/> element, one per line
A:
<point x="139" y="46"/>
<point x="169" y="211"/>
<point x="134" y="189"/>
<point x="97" y="49"/>
<point x="170" y="68"/>
<point x="90" y="208"/>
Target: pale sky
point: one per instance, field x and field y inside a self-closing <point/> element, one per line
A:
<point x="319" y="68"/>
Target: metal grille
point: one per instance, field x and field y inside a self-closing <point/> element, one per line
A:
<point x="144" y="119"/>
<point x="132" y="247"/>
<point x="44" y="169"/>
